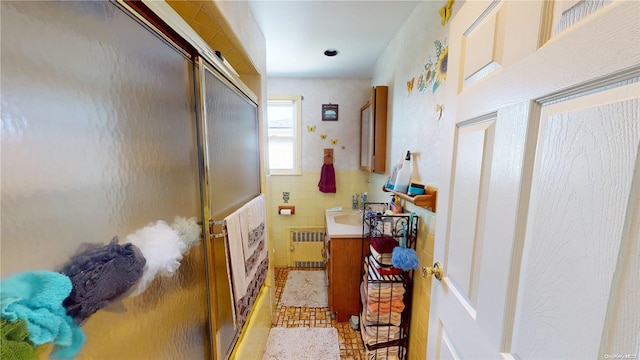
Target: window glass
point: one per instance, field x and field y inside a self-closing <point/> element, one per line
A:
<point x="284" y="135"/>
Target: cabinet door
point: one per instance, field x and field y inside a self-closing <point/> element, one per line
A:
<point x="379" y="111"/>
<point x="366" y="137"/>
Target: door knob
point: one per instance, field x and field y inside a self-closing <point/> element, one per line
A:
<point x="436" y="271"/>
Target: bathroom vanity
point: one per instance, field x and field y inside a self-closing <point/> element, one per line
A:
<point x="344" y="251"/>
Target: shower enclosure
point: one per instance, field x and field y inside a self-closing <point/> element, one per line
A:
<point x="106" y="126"/>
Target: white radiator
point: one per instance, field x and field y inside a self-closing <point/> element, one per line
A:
<point x="306" y="246"/>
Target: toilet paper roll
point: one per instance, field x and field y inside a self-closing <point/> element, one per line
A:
<point x="285" y="212"/>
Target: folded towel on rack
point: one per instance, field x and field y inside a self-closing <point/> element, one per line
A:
<point x="367" y="318"/>
<point x="246" y="247"/>
<point x="392" y="318"/>
<point x="382" y="286"/>
<point x="384" y="307"/>
<point x="386" y="294"/>
<point x="382" y="258"/>
<point x="387" y="353"/>
<point x="372" y="335"/>
<point x="383" y="244"/>
<point x="383" y="269"/>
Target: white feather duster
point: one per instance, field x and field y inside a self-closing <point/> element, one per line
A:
<point x="188" y="230"/>
<point x="161" y="247"/>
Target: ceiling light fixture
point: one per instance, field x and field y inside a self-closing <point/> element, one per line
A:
<point x="331" y="52"/>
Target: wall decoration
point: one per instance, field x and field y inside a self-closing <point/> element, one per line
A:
<point x="435" y="70"/>
<point x="445" y="12"/>
<point x="410" y="85"/>
<point x="311" y="128"/>
<point x="329" y="112"/>
<point x="334" y="141"/>
<point x="439" y="109"/>
<point x="323" y="136"/>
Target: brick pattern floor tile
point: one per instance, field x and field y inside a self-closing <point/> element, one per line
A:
<point x="351" y="346"/>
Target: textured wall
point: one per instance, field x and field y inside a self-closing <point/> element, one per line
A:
<point x="413" y="124"/>
<point x="98" y="139"/>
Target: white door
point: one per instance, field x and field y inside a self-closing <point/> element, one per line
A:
<point x="538" y="225"/>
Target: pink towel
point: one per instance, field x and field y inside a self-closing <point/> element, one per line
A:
<point x="327" y="182"/>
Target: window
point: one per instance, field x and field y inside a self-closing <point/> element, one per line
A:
<point x="284" y="132"/>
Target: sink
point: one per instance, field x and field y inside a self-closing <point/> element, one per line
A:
<point x="344" y="223"/>
<point x="348" y="219"/>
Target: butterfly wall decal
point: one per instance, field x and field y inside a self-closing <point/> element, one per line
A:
<point x="311" y="128"/>
<point x="410" y="85"/>
<point x="445" y="12"/>
<point x="323" y="136"/>
<point x="334" y="141"/>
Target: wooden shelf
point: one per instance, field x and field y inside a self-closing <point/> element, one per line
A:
<point x="428" y="200"/>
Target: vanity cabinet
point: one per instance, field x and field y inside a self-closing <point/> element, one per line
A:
<point x="343" y="258"/>
<point x="373" y="131"/>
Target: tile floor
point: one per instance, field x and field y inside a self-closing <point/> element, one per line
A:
<point x="351" y="346"/>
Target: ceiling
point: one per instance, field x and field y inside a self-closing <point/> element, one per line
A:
<point x="298" y="32"/>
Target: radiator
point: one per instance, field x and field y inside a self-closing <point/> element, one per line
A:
<point x="306" y="247"/>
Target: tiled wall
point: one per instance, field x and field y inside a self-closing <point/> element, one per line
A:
<point x="310" y="203"/>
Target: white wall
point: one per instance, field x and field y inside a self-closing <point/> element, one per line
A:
<point x="412" y="119"/>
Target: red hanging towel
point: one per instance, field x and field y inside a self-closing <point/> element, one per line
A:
<point x="327" y="182"/>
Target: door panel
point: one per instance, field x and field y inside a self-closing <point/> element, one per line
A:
<point x="587" y="149"/>
<point x="473" y="164"/>
<point x="569" y="13"/>
<point x="502" y="34"/>
<point x="538" y="209"/>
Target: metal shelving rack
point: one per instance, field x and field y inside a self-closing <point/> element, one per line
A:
<point x="376" y="224"/>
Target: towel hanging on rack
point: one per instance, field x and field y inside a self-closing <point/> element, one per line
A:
<point x="327" y="182"/>
<point x="246" y="246"/>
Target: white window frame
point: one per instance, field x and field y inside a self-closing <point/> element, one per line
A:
<point x="297" y="135"/>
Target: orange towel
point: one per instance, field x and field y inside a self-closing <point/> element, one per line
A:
<point x="384" y="307"/>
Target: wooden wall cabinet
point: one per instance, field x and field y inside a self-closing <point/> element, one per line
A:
<point x="373" y="131"/>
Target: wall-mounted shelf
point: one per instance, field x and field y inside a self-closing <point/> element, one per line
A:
<point x="428" y="200"/>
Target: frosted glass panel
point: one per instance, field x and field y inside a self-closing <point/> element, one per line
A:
<point x="99" y="139"/>
<point x="233" y="167"/>
<point x="232" y="141"/>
